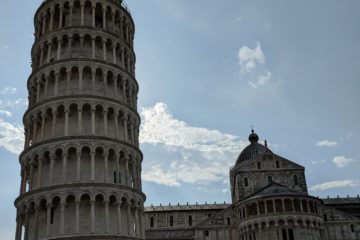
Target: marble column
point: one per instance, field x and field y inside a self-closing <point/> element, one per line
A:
<point x="71" y="14"/>
<point x="54" y="114"/>
<point x="106" y="122"/>
<point x="65" y="156"/>
<point x="46" y="86"/>
<point x="92" y="155"/>
<point x="27" y="221"/>
<point x="58" y="54"/>
<point x="78" y="166"/>
<point x="114" y="54"/>
<point x="52" y="159"/>
<point x="77" y="217"/>
<point x="79" y="123"/>
<point x="118" y="169"/>
<point x="40" y="169"/>
<point x="62" y="217"/>
<point x="106" y="165"/>
<point x="93" y="47"/>
<point x="43" y="118"/>
<point x="133" y="169"/>
<point x="56" y="85"/>
<point x="106" y="203"/>
<point x="104" y="18"/>
<point x="49" y="53"/>
<point x="93" y="15"/>
<point x="126" y="139"/>
<point x="124" y="91"/>
<point x="105" y="84"/>
<point x="116" y="119"/>
<point x="68" y="81"/>
<point x="92" y="216"/>
<point x="93" y="131"/>
<point x="104" y="50"/>
<point x="115" y="87"/>
<point x="61" y="17"/>
<point x="19" y="223"/>
<point x="82" y="13"/>
<point x="48" y="219"/>
<point x="119" y="217"/>
<point x="93" y="81"/>
<point x="80" y="79"/>
<point x="44" y="25"/>
<point x="23" y="180"/>
<point x="128" y="216"/>
<point x="31" y="176"/>
<point x="126" y="171"/>
<point x="41" y="55"/>
<point x="66" y="121"/>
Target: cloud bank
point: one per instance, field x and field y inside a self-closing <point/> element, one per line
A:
<point x="251" y="62"/>
<point x="342" y="161"/>
<point x="250" y="58"/>
<point x="327" y="143"/>
<point x="334" y="184"/>
<point x="197" y="155"/>
<point x="11" y="137"/>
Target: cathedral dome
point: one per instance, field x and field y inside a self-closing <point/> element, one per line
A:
<point x="253" y="150"/>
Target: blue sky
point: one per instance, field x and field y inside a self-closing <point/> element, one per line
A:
<point x="207" y="71"/>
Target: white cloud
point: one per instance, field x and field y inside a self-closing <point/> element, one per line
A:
<point x="250" y="58"/>
<point x="5" y="47"/>
<point x="334" y="184"/>
<point x="20" y="102"/>
<point x="252" y="67"/>
<point x="198" y="155"/>
<point x="6" y="113"/>
<point x="11" y="137"/>
<point x="342" y="161"/>
<point x="157" y="175"/>
<point x="159" y="126"/>
<point x="327" y="143"/>
<point x="261" y="81"/>
<point x="8" y="90"/>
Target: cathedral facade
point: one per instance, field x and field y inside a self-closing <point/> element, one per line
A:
<point x="270" y="201"/>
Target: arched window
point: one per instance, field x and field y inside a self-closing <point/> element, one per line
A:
<point x="171" y="220"/>
<point x="259" y="165"/>
<point x="190" y="220"/>
<point x="277" y="164"/>
<point x="151" y="222"/>
<point x="246" y="182"/>
<point x="114" y="176"/>
<point x="270" y="179"/>
<point x="295" y="178"/>
<point x="352" y="229"/>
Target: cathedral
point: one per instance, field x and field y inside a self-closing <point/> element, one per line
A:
<point x="270" y="201"/>
<point x="81" y="164"/>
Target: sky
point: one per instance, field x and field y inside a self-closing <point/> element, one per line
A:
<point x="208" y="71"/>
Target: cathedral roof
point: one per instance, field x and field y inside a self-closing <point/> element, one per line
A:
<point x="253" y="150"/>
<point x="186" y="207"/>
<point x="275" y="189"/>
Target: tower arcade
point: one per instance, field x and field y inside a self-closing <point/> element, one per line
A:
<point x="81" y="164"/>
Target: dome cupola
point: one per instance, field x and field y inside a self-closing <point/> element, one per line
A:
<point x="253" y="150"/>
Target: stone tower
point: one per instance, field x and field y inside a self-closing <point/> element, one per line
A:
<point x="81" y="164"/>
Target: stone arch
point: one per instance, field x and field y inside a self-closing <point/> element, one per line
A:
<point x="85" y="212"/>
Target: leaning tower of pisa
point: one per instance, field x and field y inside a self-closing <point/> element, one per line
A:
<point x="81" y="164"/>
